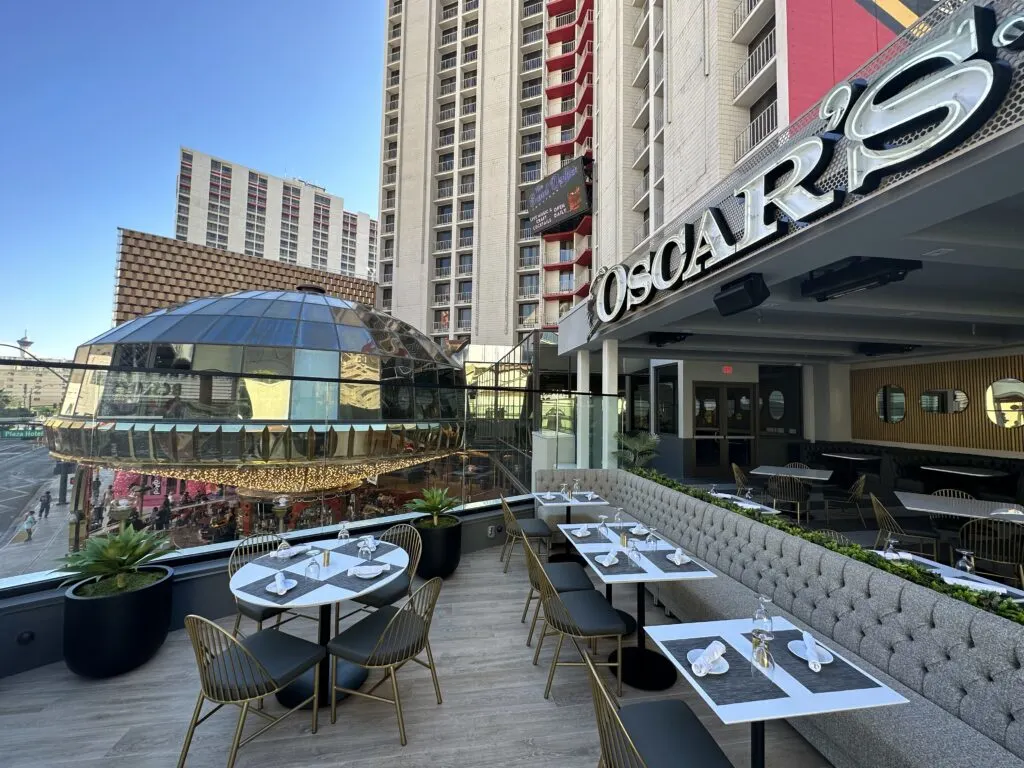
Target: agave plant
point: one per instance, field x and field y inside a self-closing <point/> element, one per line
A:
<point x="115" y="556"/>
<point x="636" y="449"/>
<point x="435" y="502"/>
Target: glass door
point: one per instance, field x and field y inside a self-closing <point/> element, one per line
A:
<point x="708" y="434"/>
<point x="723" y="429"/>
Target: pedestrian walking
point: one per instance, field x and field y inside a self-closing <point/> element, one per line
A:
<point x="29" y="525"/>
<point x="44" y="505"/>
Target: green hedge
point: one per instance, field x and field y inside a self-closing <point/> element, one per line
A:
<point x="905" y="569"/>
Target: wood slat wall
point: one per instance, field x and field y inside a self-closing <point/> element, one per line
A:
<point x="968" y="429"/>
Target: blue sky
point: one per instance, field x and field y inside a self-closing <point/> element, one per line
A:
<point x="99" y="96"/>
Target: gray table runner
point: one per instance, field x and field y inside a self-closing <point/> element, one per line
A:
<point x="556" y="498"/>
<point x="742" y="684"/>
<point x="351" y="547"/>
<point x="837" y="676"/>
<point x="355" y="584"/>
<point x="624" y="567"/>
<point x="259" y="588"/>
<point x="583" y="497"/>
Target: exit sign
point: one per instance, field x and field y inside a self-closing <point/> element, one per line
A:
<point x="727" y="370"/>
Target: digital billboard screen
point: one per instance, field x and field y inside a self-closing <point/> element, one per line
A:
<point x="559" y="197"/>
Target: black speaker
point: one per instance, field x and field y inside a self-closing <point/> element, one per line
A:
<point x="740" y="295"/>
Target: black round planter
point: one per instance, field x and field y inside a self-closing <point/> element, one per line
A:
<point x="114" y="634"/>
<point x="442" y="550"/>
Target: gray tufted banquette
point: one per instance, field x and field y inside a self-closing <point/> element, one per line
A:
<point x="960" y="667"/>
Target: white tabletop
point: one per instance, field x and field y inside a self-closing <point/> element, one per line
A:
<point x="948" y="571"/>
<point x="740" y="501"/>
<point x="581" y="499"/>
<point x="946" y="505"/>
<point x="966" y="471"/>
<point x="852" y="456"/>
<point x="598" y="542"/>
<point x="796" y="702"/>
<point x="800" y="472"/>
<point x="326" y="593"/>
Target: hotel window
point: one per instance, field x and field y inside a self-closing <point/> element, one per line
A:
<point x="564" y="282"/>
<point x="465" y="318"/>
<point x="465" y="263"/>
<point x="529" y="285"/>
<point x="466" y="210"/>
<point x="565" y="251"/>
<point x="444" y="188"/>
<point x="442" y="294"/>
<point x="532" y="61"/>
<point x="465" y="237"/>
<point x="392" y="126"/>
<point x="470" y="29"/>
<point x="289" y="243"/>
<point x="465" y="292"/>
<point x="531" y="116"/>
<point x="665" y="400"/>
<point x="529" y="171"/>
<point x="219" y="205"/>
<point x="449" y="60"/>
<point x="529" y="256"/>
<point x="527" y="313"/>
<point x="468" y="157"/>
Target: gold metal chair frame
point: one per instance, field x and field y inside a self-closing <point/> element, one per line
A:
<point x="854" y="500"/>
<point x="247" y="550"/>
<point x="413" y="617"/>
<point x="1000" y="542"/>
<point x="211" y="645"/>
<point x="797" y="465"/>
<point x="743" y="482"/>
<point x="617" y="748"/>
<point x="839" y="538"/>
<point x="888" y="527"/>
<point x="557" y="621"/>
<point x="788" y="490"/>
<point x="402" y="535"/>
<point x="514" y="533"/>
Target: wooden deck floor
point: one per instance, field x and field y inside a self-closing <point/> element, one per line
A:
<point x="494" y="714"/>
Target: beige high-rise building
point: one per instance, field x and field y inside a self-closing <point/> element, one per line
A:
<point x="482" y="99"/>
<point x="228" y="206"/>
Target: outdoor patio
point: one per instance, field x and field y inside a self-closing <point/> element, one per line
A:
<point x="493" y="715"/>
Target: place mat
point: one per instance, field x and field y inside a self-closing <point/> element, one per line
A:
<point x="351" y="547"/>
<point x="583" y="497"/>
<point x="742" y="684"/>
<point x="834" y="677"/>
<point x="355" y="584"/>
<point x="661" y="561"/>
<point x="259" y="588"/>
<point x="625" y="566"/>
<point x="278" y="564"/>
<point x="556" y="498"/>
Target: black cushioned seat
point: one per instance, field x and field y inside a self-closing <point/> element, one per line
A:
<point x="284" y="656"/>
<point x="258" y="612"/>
<point x="534" y="528"/>
<point x="668" y="735"/>
<point x="567" y="577"/>
<point x="388" y="594"/>
<point x="592" y="613"/>
<point x="356" y="643"/>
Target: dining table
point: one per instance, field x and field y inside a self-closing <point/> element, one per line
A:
<point x="852" y="456"/>
<point x="568" y="500"/>
<point x="801" y="473"/>
<point x="955" y="576"/>
<point x="956" y="507"/>
<point x="642" y="667"/>
<point x="319" y="587"/>
<point x="741" y="692"/>
<point x="973" y="472"/>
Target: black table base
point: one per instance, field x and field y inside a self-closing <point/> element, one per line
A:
<point x="628" y="620"/>
<point x="645" y="669"/>
<point x="349" y="675"/>
<point x="757" y="744"/>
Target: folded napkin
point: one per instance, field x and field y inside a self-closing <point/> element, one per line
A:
<point x="703" y="663"/>
<point x="678" y="557"/>
<point x="384" y="568"/>
<point x="289" y="552"/>
<point x="279" y="582"/>
<point x="608" y="559"/>
<point x="639" y="530"/>
<point x="581" y="532"/>
<point x="811" y="649"/>
<point x="977" y="585"/>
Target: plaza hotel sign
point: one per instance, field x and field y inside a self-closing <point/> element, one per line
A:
<point x="951" y="84"/>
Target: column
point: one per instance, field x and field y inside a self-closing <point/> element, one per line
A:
<point x="609" y="405"/>
<point x="583" y="409"/>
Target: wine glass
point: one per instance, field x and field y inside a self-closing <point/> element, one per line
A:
<point x="618" y="515"/>
<point x="652" y="537"/>
<point x="603" y="523"/>
<point x="763" y="617"/>
<point x="313" y="569"/>
<point x="576" y="486"/>
<point x="633" y="552"/>
<point x="714" y="489"/>
<point x="890" y="549"/>
<point x="343" y="533"/>
<point x="564" y="489"/>
<point x="365" y="551"/>
<point x="749" y="494"/>
<point x="762" y="633"/>
<point x="966" y="561"/>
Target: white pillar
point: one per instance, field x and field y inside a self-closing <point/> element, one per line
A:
<point x="609" y="405"/>
<point x="583" y="409"/>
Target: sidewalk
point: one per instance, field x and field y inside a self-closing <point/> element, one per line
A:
<point x="49" y="541"/>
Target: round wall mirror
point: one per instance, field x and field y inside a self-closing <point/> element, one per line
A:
<point x="1004" y="403"/>
<point x="776" y="405"/>
<point x="944" y="401"/>
<point x="891" y="404"/>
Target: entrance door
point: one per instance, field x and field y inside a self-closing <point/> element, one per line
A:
<point x="723" y="428"/>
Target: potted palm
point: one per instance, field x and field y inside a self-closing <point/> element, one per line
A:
<point x="440" y="531"/>
<point x="636" y="449"/>
<point x="117" y="610"/>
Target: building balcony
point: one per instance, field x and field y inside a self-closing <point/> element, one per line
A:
<point x="389" y="228"/>
<point x="446" y="90"/>
<point x="442" y="246"/>
<point x="760" y="128"/>
<point x="584" y="54"/>
<point x="387" y="255"/>
<point x="526" y="233"/>
<point x="443" y="219"/>
<point x="528" y="121"/>
<point x="641" y="116"/>
<point x="464" y="269"/>
<point x="529" y="177"/>
<point x="564" y="116"/>
<point x="448" y="63"/>
<point x="394" y="57"/>
<point x="469" y="82"/>
<point x="446" y="114"/>
<point x="756" y="75"/>
<point x="388" y="204"/>
<point x="466" y="215"/>
<point x="392" y="105"/>
<point x="562" y="265"/>
<point x="641" y="27"/>
<point x="470" y="5"/>
<point x="560" y="27"/>
<point x="528" y="293"/>
<point x="395" y="8"/>
<point x="391" y="153"/>
<point x="641" y="233"/>
<point x="464" y="298"/>
<point x="527" y="323"/>
<point x="444" y="192"/>
<point x="533" y="36"/>
<point x="469" y="109"/>
<point x="469" y="57"/>
<point x="441" y="300"/>
<point x="449" y="38"/>
<point x="531" y="91"/>
<point x="659" y="122"/>
<point x="641" y="74"/>
<point x="387" y="278"/>
<point x="561" y="84"/>
<point x="583" y="290"/>
<point x="442" y="273"/>
<point x="448" y="140"/>
<point x="446" y="166"/>
<point x="389" y="179"/>
<point x="584" y="88"/>
<point x="394" y="80"/>
<point x="465" y="242"/>
<point x="532" y="64"/>
<point x="557" y="7"/>
<point x="563" y="145"/>
<point x="464" y="326"/>
<point x="562" y="291"/>
<point x="385" y="304"/>
<point x="533" y="9"/>
<point x="467" y="189"/>
<point x="524" y="206"/>
<point x="468" y="162"/>
<point x="529" y="147"/>
<point x="640" y="149"/>
<point x="391" y="130"/>
<point x="467" y="134"/>
<point x="659" y="29"/>
<point x="529" y="263"/>
<point x="641" y="190"/>
<point x="441" y="327"/>
<point x="749" y="18"/>
<point x="449" y="13"/>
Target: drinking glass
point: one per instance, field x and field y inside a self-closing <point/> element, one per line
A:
<point x="890" y="549"/>
<point x="576" y="485"/>
<point x="365" y="553"/>
<point x="652" y="536"/>
<point x="633" y="552"/>
<point x="763" y="617"/>
<point x="618" y="515"/>
<point x="313" y="569"/>
<point x="343" y="533"/>
<point x="564" y="489"/>
<point x="761" y="635"/>
<point x="714" y="489"/>
<point x="749" y="494"/>
<point x="966" y="561"/>
<point x="603" y="523"/>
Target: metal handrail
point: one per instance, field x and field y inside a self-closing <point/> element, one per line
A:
<point x="759" y="129"/>
<point x="758" y="59"/>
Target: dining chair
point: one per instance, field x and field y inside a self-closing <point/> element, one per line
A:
<point x="947" y="527"/>
<point x="998" y="545"/>
<point x="789" y="490"/>
<point x="247" y="550"/>
<point x="843" y="500"/>
<point x="241" y="672"/>
<point x="388" y="639"/>
<point x="651" y="734"/>
<point x="797" y="465"/>
<point x="579" y="615"/>
<point x="408" y="538"/>
<point x="839" y="538"/>
<point x="743" y="483"/>
<point x="523" y="531"/>
<point x="564" y="577"/>
<point x="889" y="528"/>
